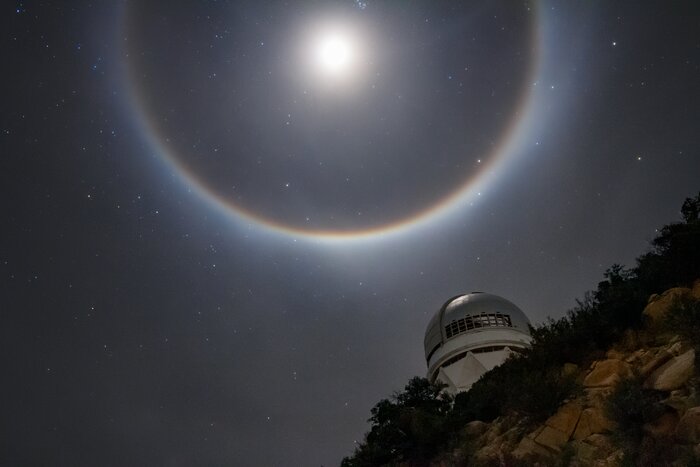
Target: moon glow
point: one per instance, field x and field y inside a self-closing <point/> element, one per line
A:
<point x="334" y="53"/>
<point x="301" y="136"/>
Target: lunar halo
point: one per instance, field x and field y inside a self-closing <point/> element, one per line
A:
<point x="335" y="55"/>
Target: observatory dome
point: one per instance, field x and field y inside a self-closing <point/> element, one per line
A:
<point x="469" y="335"/>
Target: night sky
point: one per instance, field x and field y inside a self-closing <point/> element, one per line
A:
<point x="225" y="225"/>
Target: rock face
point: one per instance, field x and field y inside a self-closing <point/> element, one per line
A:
<point x="528" y="449"/>
<point x="573" y="421"/>
<point x="673" y="374"/>
<point x="551" y="438"/>
<point x="607" y="373"/>
<point x="565" y="419"/>
<point x="592" y="421"/>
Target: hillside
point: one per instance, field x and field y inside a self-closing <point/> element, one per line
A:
<point x="637" y="404"/>
<point x="614" y="382"/>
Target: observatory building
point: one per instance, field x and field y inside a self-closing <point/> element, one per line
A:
<point x="469" y="335"/>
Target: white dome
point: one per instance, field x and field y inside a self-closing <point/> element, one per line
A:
<point x="477" y="322"/>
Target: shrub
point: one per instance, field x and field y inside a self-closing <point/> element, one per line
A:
<point x="632" y="405"/>
<point x="408" y="427"/>
<point x="518" y="385"/>
<point x="684" y="319"/>
<point x="675" y="256"/>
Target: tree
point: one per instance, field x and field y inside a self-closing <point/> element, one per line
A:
<point x="675" y="256"/>
<point x="691" y="209"/>
<point x="408" y="427"/>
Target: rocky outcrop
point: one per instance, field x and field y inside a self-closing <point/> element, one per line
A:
<point x="581" y="430"/>
<point x="673" y="374"/>
<point x="528" y="448"/>
<point x="591" y="422"/>
<point x="659" y="305"/>
<point x="607" y="373"/>
<point x="576" y="421"/>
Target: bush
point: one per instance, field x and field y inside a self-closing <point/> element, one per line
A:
<point x="632" y="405"/>
<point x="675" y="256"/>
<point x="408" y="427"/>
<point x="684" y="319"/>
<point x="540" y="391"/>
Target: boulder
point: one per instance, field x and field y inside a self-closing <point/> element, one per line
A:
<point x="592" y="421"/>
<point x="565" y="419"/>
<point x="552" y="438"/>
<point x="673" y="374"/>
<point x="688" y="428"/>
<point x="607" y="373"/>
<point x="662" y="357"/>
<point x="475" y="428"/>
<point x="658" y="305"/>
<point x="528" y="448"/>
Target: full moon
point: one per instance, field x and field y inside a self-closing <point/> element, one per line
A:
<point x="339" y="126"/>
<point x="335" y="53"/>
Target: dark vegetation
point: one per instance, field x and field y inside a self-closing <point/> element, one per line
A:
<point x="408" y="427"/>
<point x="414" y="425"/>
<point x="684" y="320"/>
<point x="632" y="405"/>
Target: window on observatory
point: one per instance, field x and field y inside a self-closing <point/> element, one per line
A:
<point x="493" y="348"/>
<point x="483" y="320"/>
